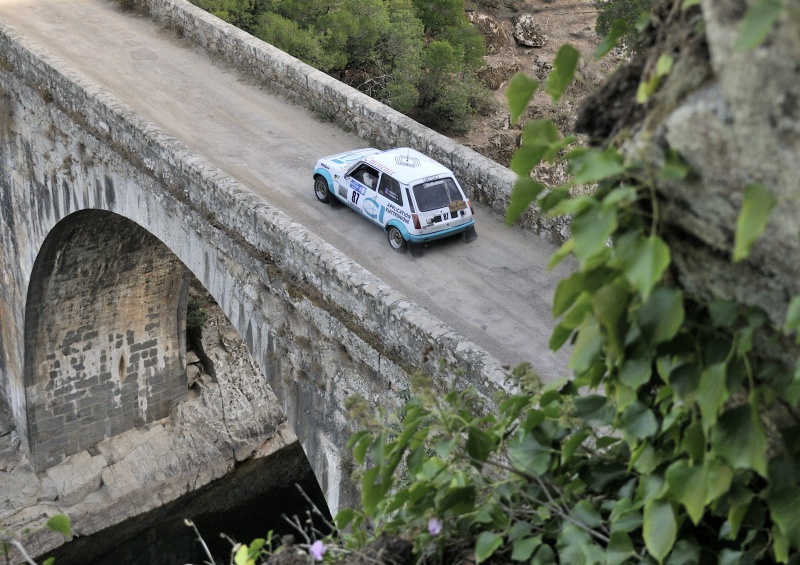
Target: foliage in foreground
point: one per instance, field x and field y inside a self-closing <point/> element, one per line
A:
<point x="687" y="445"/>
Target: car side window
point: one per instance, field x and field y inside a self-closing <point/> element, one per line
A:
<point x="390" y="188"/>
<point x="366" y="175"/>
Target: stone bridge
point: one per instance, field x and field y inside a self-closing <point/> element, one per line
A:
<point x="103" y="220"/>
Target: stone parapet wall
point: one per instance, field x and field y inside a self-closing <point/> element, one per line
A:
<point x="487" y="182"/>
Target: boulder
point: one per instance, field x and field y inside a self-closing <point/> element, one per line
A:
<point x="528" y="33"/>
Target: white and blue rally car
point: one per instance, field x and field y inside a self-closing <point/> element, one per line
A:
<point x="412" y="197"/>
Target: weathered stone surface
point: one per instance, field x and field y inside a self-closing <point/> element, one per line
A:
<point x="79" y="475"/>
<point x="527" y="32"/>
<point x="732" y="115"/>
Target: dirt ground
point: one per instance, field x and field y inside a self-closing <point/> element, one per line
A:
<point x="561" y="21"/>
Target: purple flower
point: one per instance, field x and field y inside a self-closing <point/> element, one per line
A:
<point x="434" y="527"/>
<point x="317" y="550"/>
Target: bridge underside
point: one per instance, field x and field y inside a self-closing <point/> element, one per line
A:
<point x="104" y="334"/>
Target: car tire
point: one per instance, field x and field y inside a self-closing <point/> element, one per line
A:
<point x="321" y="190"/>
<point x="396" y="240"/>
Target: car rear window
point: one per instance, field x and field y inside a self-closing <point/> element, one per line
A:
<point x="436" y="194"/>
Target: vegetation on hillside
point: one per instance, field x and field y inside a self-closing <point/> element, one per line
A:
<point x="418" y="56"/>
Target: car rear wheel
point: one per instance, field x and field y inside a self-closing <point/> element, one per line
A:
<point x="321" y="189"/>
<point x="396" y="239"/>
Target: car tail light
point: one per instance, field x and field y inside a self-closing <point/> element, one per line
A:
<point x="416" y="221"/>
<point x="471" y="209"/>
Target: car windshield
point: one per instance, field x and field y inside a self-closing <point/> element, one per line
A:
<point x="436" y="194"/>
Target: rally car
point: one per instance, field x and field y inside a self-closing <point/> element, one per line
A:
<point x="412" y="197"/>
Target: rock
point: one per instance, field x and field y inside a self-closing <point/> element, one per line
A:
<point x="79" y="475"/>
<point x="191" y="357"/>
<point x="493" y="36"/>
<point x="192" y="374"/>
<point x="527" y="33"/>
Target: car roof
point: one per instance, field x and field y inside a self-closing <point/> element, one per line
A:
<point x="407" y="165"/>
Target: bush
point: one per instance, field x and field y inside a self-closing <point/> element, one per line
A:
<point x="196" y="314"/>
<point x="304" y="44"/>
<point x="240" y="13"/>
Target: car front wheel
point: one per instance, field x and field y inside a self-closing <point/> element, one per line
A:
<point x="321" y="189"/>
<point x="396" y="239"/>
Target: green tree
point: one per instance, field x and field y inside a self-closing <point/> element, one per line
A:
<point x="240" y="13"/>
<point x="439" y="15"/>
<point x="307" y="45"/>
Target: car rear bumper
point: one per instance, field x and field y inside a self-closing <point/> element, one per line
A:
<point x="422" y="238"/>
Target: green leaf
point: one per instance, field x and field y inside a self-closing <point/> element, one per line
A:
<point x="479" y="444"/>
<point x="459" y="500"/>
<point x="647" y="88"/>
<point x="445" y="447"/>
<point x="661" y="317"/>
<point x="739" y="438"/>
<point x="686" y="552"/>
<point x="520" y="530"/>
<point x="587" y="514"/>
<point x="610" y="308"/>
<point x="486" y="544"/>
<point x="625" y="517"/>
<point x="573" y="443"/>
<point x="371" y="491"/>
<point x="644" y="263"/>
<point x="664" y="65"/>
<point x="619" y="28"/>
<point x="687" y="485"/>
<point x="793" y="314"/>
<point x="622" y="194"/>
<point x="593" y="408"/>
<point x="591" y="230"/>
<point x="544" y="556"/>
<point x="635" y="372"/>
<point x="538" y="139"/>
<point x="49" y="561"/>
<point x="572" y="319"/>
<point x="344" y="517"/>
<point x="780" y="545"/>
<point x="524" y="192"/>
<point x="752" y="220"/>
<point x="528" y="455"/>
<point x="674" y="167"/>
<point x="712" y="393"/>
<point x="593" y="165"/>
<point x="723" y="313"/>
<point x="561" y="253"/>
<point x="242" y="556"/>
<point x="660" y="528"/>
<point x="719" y="478"/>
<point x="620" y="548"/>
<point x="524" y="548"/>
<point x="638" y="421"/>
<point x="567" y="291"/>
<point x="520" y="90"/>
<point x="587" y="347"/>
<point x="563" y="71"/>
<point x="757" y="22"/>
<point x="60" y="523"/>
<point x="783" y="504"/>
<point x="694" y="442"/>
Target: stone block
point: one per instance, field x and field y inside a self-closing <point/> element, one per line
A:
<point x="76" y="477"/>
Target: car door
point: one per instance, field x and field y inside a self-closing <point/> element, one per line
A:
<point x="360" y="183"/>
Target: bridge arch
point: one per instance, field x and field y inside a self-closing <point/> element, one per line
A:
<point x="104" y="334"/>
